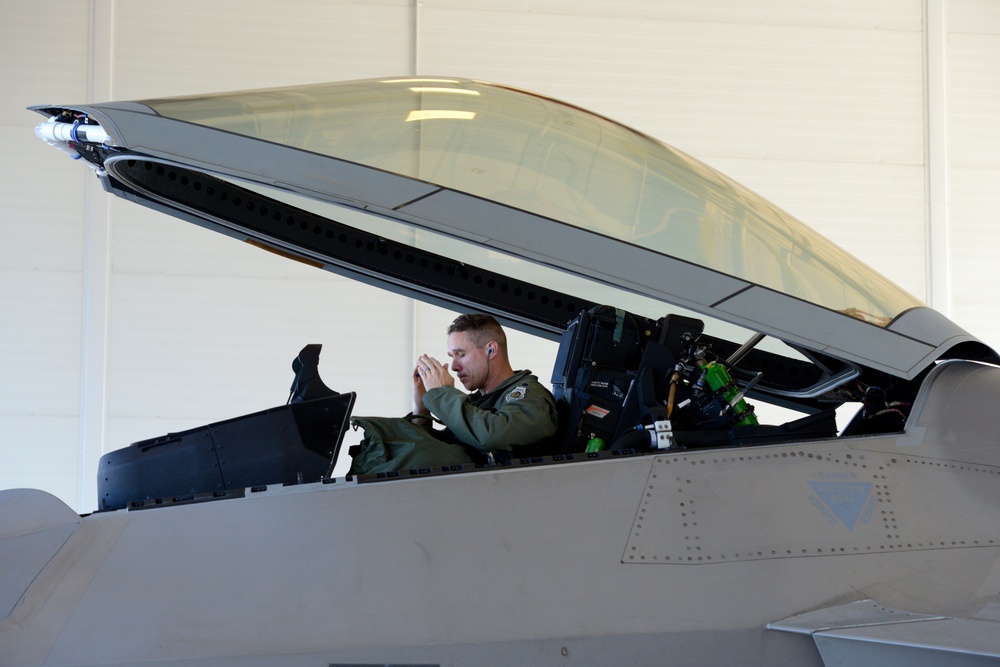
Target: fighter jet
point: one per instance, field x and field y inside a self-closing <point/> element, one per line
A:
<point x="668" y="523"/>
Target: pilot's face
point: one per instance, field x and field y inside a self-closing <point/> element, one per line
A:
<point x="468" y="362"/>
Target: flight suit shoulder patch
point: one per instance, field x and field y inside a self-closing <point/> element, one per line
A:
<point x="517" y="393"/>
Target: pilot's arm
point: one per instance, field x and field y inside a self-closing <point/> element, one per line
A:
<point x="520" y="412"/>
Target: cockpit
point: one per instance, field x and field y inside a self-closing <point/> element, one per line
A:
<point x="624" y="385"/>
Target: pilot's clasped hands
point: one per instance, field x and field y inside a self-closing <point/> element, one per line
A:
<point x="432" y="373"/>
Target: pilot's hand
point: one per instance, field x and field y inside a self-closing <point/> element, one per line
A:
<point x="433" y="373"/>
<point x="418" y="393"/>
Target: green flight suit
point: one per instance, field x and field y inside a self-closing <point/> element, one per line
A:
<point x="521" y="411"/>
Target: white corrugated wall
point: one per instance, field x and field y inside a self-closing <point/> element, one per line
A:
<point x="878" y="123"/>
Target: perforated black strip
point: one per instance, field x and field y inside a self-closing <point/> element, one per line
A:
<point x="332" y="244"/>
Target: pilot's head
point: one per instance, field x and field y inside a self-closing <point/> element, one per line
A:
<point x="477" y="346"/>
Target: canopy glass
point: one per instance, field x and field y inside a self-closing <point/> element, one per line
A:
<point x="558" y="161"/>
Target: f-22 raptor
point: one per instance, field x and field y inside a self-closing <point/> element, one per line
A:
<point x="666" y="524"/>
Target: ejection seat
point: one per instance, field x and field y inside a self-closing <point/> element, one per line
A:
<point x="617" y="374"/>
<point x="597" y="361"/>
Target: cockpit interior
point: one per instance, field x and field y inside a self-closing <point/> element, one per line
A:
<point x="625" y="385"/>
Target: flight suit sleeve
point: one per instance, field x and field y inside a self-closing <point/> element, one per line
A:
<point x="523" y="415"/>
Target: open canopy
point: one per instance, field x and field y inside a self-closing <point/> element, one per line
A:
<point x="559" y="162"/>
<point x="468" y="166"/>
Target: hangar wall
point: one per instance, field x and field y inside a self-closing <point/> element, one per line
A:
<point x="876" y="123"/>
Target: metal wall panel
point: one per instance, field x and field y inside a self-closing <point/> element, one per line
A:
<point x="41" y="258"/>
<point x="887" y="14"/>
<point x="974" y="162"/>
<point x="187" y="46"/>
<point x="799" y="103"/>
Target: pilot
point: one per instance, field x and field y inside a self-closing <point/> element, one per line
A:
<point x="505" y="408"/>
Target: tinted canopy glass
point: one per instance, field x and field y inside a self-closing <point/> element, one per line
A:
<point x="558" y="161"/>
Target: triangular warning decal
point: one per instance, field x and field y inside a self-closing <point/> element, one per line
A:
<point x="845" y="499"/>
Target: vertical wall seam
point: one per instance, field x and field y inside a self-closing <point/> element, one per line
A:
<point x="414" y="70"/>
<point x="96" y="273"/>
<point x="936" y="193"/>
<point x="417" y="5"/>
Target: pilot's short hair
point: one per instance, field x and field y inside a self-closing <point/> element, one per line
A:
<point x="481" y="328"/>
